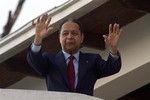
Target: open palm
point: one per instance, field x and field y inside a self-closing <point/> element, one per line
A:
<point x="113" y="37"/>
<point x="42" y="29"/>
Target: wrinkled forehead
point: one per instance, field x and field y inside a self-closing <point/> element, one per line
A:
<point x="70" y="26"/>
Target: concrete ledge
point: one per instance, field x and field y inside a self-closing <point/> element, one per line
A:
<point x="15" y="94"/>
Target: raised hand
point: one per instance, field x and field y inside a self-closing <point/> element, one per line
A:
<point x="42" y="28"/>
<point x="113" y="38"/>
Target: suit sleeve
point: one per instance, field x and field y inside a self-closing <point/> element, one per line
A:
<point x="38" y="61"/>
<point x="108" y="67"/>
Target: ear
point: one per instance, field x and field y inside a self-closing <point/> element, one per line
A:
<point x="59" y="38"/>
<point x="82" y="37"/>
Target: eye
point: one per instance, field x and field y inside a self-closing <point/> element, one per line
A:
<point x="65" y="33"/>
<point x="74" y="33"/>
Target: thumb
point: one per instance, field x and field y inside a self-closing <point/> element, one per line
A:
<point x="50" y="29"/>
<point x="105" y="38"/>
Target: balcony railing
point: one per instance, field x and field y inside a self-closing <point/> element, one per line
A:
<point x="14" y="94"/>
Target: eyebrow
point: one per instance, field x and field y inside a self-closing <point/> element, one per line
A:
<point x="71" y="30"/>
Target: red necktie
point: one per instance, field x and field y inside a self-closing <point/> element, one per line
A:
<point x="71" y="72"/>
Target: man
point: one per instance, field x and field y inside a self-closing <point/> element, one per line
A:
<point x="71" y="70"/>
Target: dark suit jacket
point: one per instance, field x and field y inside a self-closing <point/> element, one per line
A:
<point x="54" y="69"/>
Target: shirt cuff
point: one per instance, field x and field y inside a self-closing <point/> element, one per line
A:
<point x="35" y="48"/>
<point x="115" y="56"/>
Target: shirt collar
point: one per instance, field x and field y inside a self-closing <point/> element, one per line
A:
<point x="67" y="55"/>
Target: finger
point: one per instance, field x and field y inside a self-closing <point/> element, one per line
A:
<point x="38" y="20"/>
<point x="120" y="31"/>
<point x="43" y="18"/>
<point x="114" y="28"/>
<point x="110" y="28"/>
<point x="117" y="29"/>
<point x="49" y="20"/>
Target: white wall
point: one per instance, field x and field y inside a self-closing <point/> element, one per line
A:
<point x="135" y="50"/>
<point x="134" y="47"/>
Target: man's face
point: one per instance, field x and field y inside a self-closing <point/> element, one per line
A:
<point x="70" y="37"/>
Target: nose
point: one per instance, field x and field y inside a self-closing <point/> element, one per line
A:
<point x="70" y="35"/>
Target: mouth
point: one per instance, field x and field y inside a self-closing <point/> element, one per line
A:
<point x="70" y="42"/>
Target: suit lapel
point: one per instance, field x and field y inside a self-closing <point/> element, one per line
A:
<point x="82" y="69"/>
<point x="61" y="63"/>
